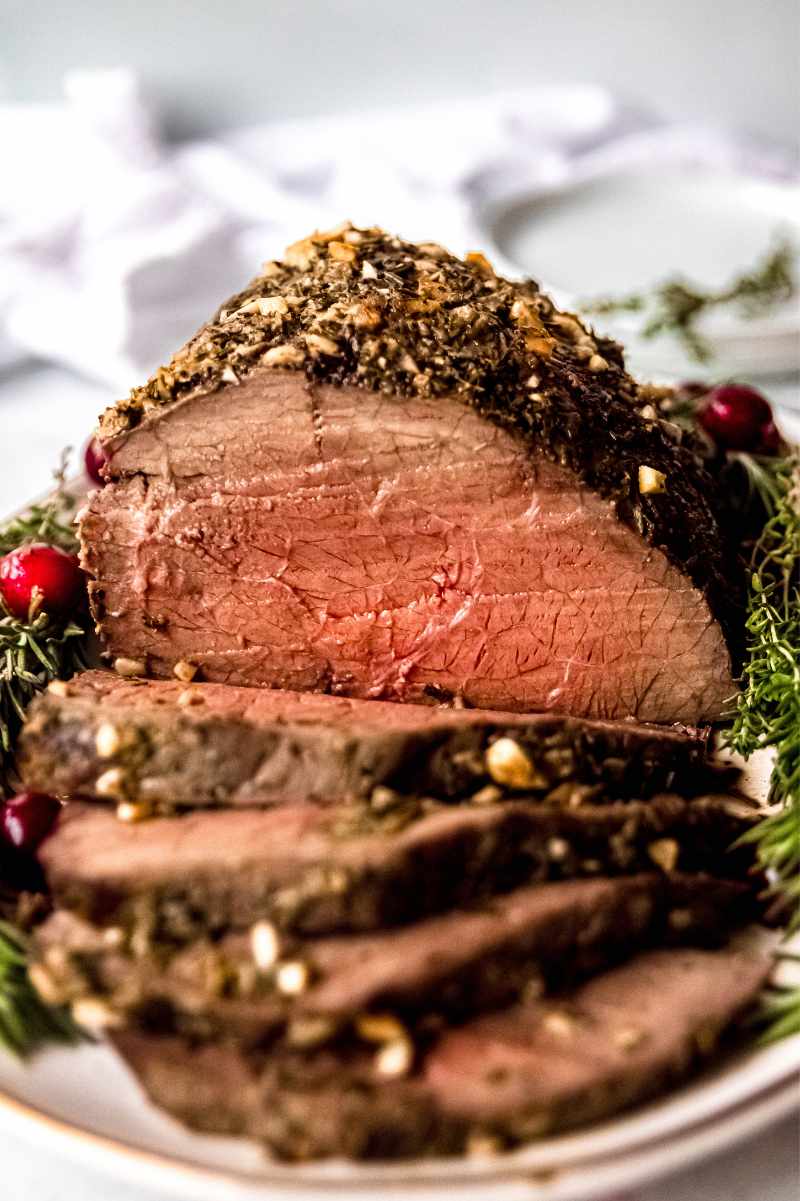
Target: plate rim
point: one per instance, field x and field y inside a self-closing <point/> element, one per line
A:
<point x="776" y="1094"/>
<point x="488" y="215"/>
<point x="651" y="1158"/>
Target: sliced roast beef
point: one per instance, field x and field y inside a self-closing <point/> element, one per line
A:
<point x="500" y="1080"/>
<point x="317" y="869"/>
<point x="218" y="744"/>
<point x="386" y="473"/>
<point x="449" y="966"/>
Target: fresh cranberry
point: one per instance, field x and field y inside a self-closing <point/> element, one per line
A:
<point x="735" y="416"/>
<point x="40" y="570"/>
<point x="771" y="442"/>
<point x="27" y="819"/>
<point x="95" y="458"/>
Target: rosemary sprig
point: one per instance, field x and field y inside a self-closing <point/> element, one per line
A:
<point x="779" y="1012"/>
<point x="675" y="305"/>
<point x="38" y="649"/>
<point x="768" y="708"/>
<point x="32" y="652"/>
<point x="26" y="1023"/>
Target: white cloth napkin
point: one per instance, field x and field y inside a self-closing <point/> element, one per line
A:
<point x="114" y="247"/>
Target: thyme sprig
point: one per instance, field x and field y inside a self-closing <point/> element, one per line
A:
<point x="38" y="648"/>
<point x="676" y="305"/>
<point x="48" y="521"/>
<point x="26" y="1023"/>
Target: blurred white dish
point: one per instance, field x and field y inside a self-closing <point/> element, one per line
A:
<point x="624" y="231"/>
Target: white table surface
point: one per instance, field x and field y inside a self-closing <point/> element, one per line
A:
<point x="43" y="409"/>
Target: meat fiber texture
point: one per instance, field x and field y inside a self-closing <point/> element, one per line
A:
<point x="308" y="536"/>
<point x="216" y="744"/>
<point x="502" y="1079"/>
<point x="449" y="966"/>
<point x="292" y="528"/>
<point x="315" y="869"/>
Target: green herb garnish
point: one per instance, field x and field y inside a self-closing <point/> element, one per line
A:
<point x="37" y="649"/>
<point x="675" y="305"/>
<point x="32" y="652"/>
<point x="25" y="1021"/>
<point x="779" y="1012"/>
<point x="768" y="708"/>
<point x="49" y="521"/>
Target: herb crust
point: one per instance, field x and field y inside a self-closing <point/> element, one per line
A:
<point x="360" y="307"/>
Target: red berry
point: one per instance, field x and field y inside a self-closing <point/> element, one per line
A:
<point x="95" y="458"/>
<point x="40" y="570"/>
<point x="771" y="442"/>
<point x="28" y="818"/>
<point x="735" y="416"/>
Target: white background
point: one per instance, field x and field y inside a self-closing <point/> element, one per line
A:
<point x="241" y="61"/>
<point x="208" y="66"/>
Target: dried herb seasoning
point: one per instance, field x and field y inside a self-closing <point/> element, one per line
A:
<point x="359" y="307"/>
<point x="676" y="305"/>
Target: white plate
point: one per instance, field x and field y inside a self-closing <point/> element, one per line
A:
<point x="85" y="1103"/>
<point x="625" y="230"/>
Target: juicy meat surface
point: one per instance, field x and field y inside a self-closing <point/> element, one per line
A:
<point x="512" y="1076"/>
<point x="317" y="869"/>
<point x="247" y="746"/>
<point x="454" y="965"/>
<point x="315" y="537"/>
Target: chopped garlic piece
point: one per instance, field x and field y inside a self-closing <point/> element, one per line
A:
<point x="394" y="1059"/>
<point x="292" y="978"/>
<point x="111" y="783"/>
<point x="665" y="853"/>
<point x="44" y="982"/>
<point x="130" y="667"/>
<point x="185" y="671"/>
<point x="379" y="1028"/>
<point x="134" y="811"/>
<point x="264" y="945"/>
<point x="508" y="764"/>
<point x="95" y="1014"/>
<point x="285" y="356"/>
<point x="651" y="480"/>
<point x="318" y="344"/>
<point x="558" y="1023"/>
<point x="309" y="1031"/>
<point x="107" y="740"/>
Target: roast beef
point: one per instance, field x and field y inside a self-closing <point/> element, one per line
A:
<point x="315" y="869"/>
<point x="383" y="472"/>
<point x="445" y="967"/>
<point x="502" y="1079"/>
<point x="217" y="744"/>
